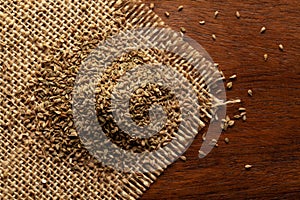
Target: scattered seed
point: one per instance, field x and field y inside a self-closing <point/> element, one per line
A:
<point x="202" y="22"/>
<point x="231" y="123"/>
<point x="226" y="140"/>
<point x="243" y="113"/>
<point x="237" y="116"/>
<point x="180" y="8"/>
<point x="229" y="85"/>
<point x="237" y="14"/>
<point x="263" y="29"/>
<point x="242" y="109"/>
<point x="248" y="167"/>
<point x="44" y="181"/>
<point x="183" y="158"/>
<point x="216" y="64"/>
<point x="201" y="154"/>
<point x="167" y="14"/>
<point x="250" y="93"/>
<point x="216" y="14"/>
<point x="151" y="6"/>
<point x="266" y="57"/>
<point x="182" y="29"/>
<point x="233" y="76"/>
<point x="280" y="47"/>
<point x="244" y="118"/>
<point x="214" y="37"/>
<point x="227" y="118"/>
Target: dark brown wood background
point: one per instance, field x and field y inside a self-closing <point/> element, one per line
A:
<point x="270" y="139"/>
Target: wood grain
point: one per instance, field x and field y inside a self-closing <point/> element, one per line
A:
<point x="270" y="139"/>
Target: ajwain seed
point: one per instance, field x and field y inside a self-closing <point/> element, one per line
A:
<point x="237" y="116"/>
<point x="216" y="14"/>
<point x="266" y="57"/>
<point x="180" y="8"/>
<point x="280" y="47"/>
<point x="263" y="29"/>
<point x="202" y="22"/>
<point x="233" y="76"/>
<point x="244" y="118"/>
<point x="242" y="109"/>
<point x="237" y="14"/>
<point x="231" y="123"/>
<point x="248" y="167"/>
<point x="167" y="14"/>
<point x="214" y="37"/>
<point x="183" y="158"/>
<point x="250" y="93"/>
<point x="229" y="85"/>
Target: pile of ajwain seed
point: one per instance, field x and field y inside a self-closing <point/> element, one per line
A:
<point x="227" y="122"/>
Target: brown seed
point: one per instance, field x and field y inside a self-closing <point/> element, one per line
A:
<point x="280" y="47"/>
<point x="214" y="37"/>
<point x="151" y="6"/>
<point x="266" y="57"/>
<point x="263" y="29"/>
<point x="183" y="158"/>
<point x="180" y="8"/>
<point x="226" y="140"/>
<point x="237" y="14"/>
<point x="182" y="29"/>
<point x="229" y="85"/>
<point x="248" y="167"/>
<point x="167" y="14"/>
<point x="250" y="93"/>
<point x="216" y="14"/>
<point x="202" y="22"/>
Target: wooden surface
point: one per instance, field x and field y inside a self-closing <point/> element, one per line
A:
<point x="270" y="139"/>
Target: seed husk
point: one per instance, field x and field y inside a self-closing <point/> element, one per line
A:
<point x="237" y="14"/>
<point x="266" y="57"/>
<point x="226" y="140"/>
<point x="233" y="76"/>
<point x="229" y="85"/>
<point x="182" y="29"/>
<point x="216" y="14"/>
<point x="250" y="93"/>
<point x="151" y="6"/>
<point x="180" y="8"/>
<point x="167" y="14"/>
<point x="248" y="167"/>
<point x="183" y="158"/>
<point x="280" y="47"/>
<point x="263" y="30"/>
<point x="202" y="22"/>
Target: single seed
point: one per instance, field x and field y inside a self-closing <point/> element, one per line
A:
<point x="229" y="85"/>
<point x="233" y="76"/>
<point x="243" y="113"/>
<point x="226" y="140"/>
<point x="280" y="47"/>
<point x="266" y="57"/>
<point x="183" y="158"/>
<point x="231" y="123"/>
<point x="151" y="6"/>
<point x="263" y="29"/>
<point x="237" y="116"/>
<point x="216" y="64"/>
<point x="214" y="37"/>
<point x="167" y="14"/>
<point x="248" y="167"/>
<point x="250" y="93"/>
<point x="202" y="22"/>
<point x="237" y="14"/>
<point x="201" y="154"/>
<point x="182" y="29"/>
<point x="44" y="181"/>
<point x="227" y="118"/>
<point x="242" y="109"/>
<point x="244" y="118"/>
<point x="216" y="14"/>
<point x="180" y="8"/>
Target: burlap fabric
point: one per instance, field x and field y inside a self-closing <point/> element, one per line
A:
<point x="42" y="44"/>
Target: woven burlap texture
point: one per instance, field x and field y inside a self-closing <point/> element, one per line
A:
<point x="41" y="46"/>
